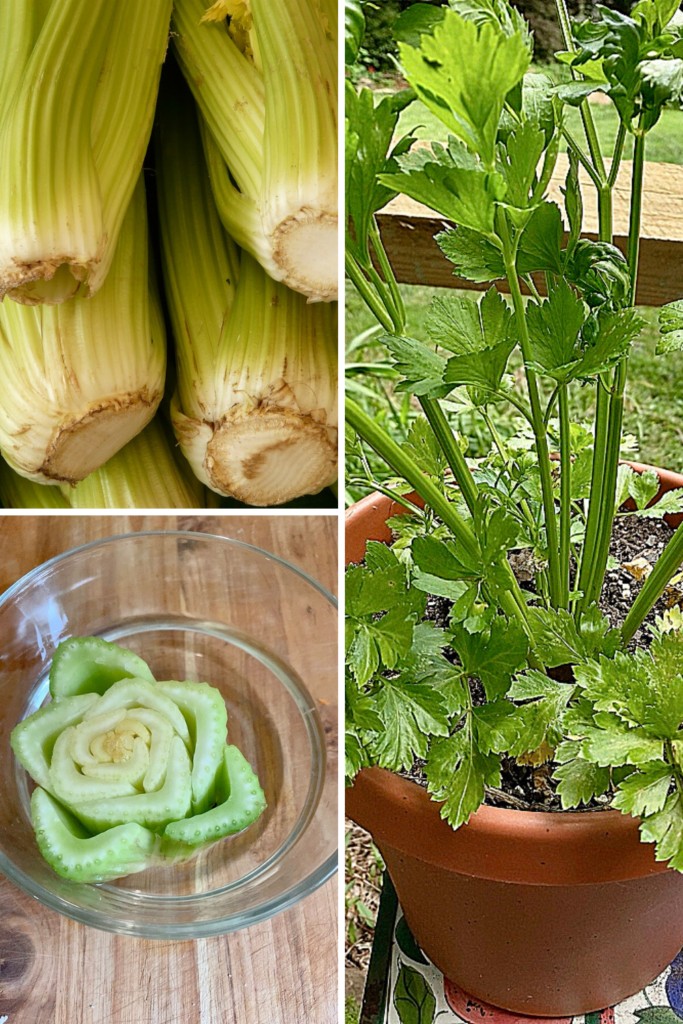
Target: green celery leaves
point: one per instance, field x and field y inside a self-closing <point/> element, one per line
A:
<point x="463" y="73"/>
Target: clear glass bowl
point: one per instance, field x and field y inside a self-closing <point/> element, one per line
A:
<point x="204" y="608"/>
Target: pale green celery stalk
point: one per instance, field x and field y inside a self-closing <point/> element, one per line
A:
<point x="273" y="118"/>
<point x="125" y="102"/>
<point x="82" y="378"/>
<point x="255" y="410"/>
<point x="18" y="492"/>
<point x="146" y="473"/>
<point x="75" y="117"/>
<point x="20" y="25"/>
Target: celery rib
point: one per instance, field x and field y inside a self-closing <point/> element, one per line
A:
<point x="91" y="665"/>
<point x="255" y="409"/>
<point x="74" y="854"/>
<point x="267" y="90"/>
<point x="207" y="717"/>
<point x="243" y="805"/>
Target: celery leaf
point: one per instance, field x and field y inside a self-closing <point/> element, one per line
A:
<point x="554" y="328"/>
<point x="645" y="791"/>
<point x="451" y="181"/>
<point x="579" y="781"/>
<point x="410" y="714"/>
<point x="670" y="328"/>
<point x="472" y="255"/>
<point x="463" y="73"/>
<point x="458" y="773"/>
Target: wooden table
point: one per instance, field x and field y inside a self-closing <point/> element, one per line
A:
<point x="54" y="971"/>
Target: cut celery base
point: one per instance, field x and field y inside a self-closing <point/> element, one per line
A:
<point x="84" y="443"/>
<point x="266" y="457"/>
<point x="304" y="247"/>
<point x="152" y="810"/>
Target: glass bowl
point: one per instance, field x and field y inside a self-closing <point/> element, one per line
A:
<point x="205" y="608"/>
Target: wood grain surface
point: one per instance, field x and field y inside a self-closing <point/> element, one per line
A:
<point x="408" y="229"/>
<point x="55" y="971"/>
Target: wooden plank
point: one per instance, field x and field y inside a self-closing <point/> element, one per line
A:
<point x="408" y="231"/>
<point x="277" y="972"/>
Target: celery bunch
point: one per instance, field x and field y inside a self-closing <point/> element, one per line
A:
<point x="128" y="769"/>
<point x="82" y="329"/>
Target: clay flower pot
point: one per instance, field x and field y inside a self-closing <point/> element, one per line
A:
<point x="547" y="914"/>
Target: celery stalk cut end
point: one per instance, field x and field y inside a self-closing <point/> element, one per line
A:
<point x="268" y="457"/>
<point x="305" y="250"/>
<point x="86" y="442"/>
<point x="90" y="665"/>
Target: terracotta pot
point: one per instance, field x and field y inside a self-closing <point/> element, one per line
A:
<point x="546" y="914"/>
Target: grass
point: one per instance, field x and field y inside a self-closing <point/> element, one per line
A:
<point x="654" y="397"/>
<point x="351" y="1011"/>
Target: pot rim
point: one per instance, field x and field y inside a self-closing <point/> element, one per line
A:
<point x="504" y="844"/>
<point x="500" y="843"/>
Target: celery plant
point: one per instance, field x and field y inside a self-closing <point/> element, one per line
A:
<point x="554" y="489"/>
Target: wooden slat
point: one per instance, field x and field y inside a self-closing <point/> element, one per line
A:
<point x="277" y="972"/>
<point x="408" y="231"/>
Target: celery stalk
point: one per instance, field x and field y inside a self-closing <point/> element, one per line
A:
<point x="243" y="804"/>
<point x="80" y="85"/>
<point x="74" y="854"/>
<point x="266" y="87"/>
<point x="255" y="409"/>
<point x="84" y="377"/>
<point x="18" y="492"/>
<point x="146" y="473"/>
<point x="204" y="710"/>
<point x="34" y="738"/>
